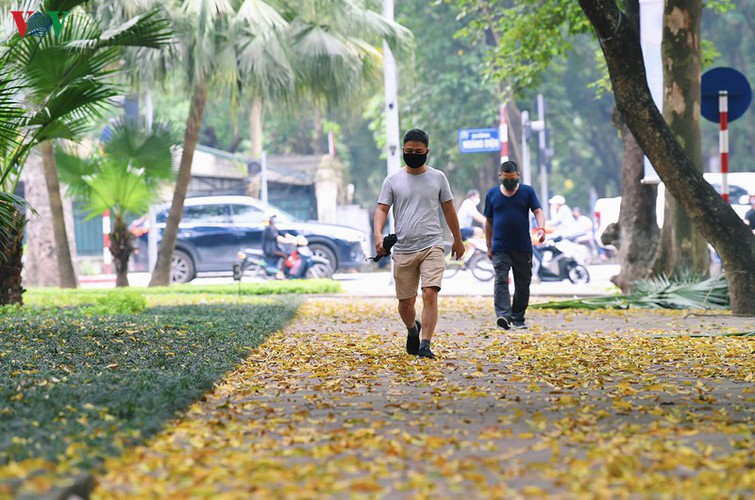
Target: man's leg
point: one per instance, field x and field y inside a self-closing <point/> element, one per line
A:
<point x="407" y="311"/>
<point x="522" y="268"/>
<point x="406" y="276"/>
<point x="429" y="311"/>
<point x="501" y="295"/>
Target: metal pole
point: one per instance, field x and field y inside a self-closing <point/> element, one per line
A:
<point x="503" y="132"/>
<point x="541" y="156"/>
<point x="723" y="141"/>
<point x="390" y="80"/>
<point x="651" y="35"/>
<point x="526" y="176"/>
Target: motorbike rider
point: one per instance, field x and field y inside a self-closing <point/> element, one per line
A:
<point x="272" y="241"/>
<point x="468" y="215"/>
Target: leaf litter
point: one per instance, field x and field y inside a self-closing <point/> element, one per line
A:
<point x="581" y="404"/>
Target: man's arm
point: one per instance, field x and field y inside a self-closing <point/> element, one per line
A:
<point x="489" y="236"/>
<point x="457" y="249"/>
<point x="540" y="218"/>
<point x="381" y="215"/>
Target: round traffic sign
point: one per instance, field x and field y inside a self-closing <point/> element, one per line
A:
<point x="730" y="80"/>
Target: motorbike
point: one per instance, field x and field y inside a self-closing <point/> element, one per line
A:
<point x="555" y="260"/>
<point x="300" y="263"/>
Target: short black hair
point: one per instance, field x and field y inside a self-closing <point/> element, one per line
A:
<point x="509" y="166"/>
<point x="417" y="135"/>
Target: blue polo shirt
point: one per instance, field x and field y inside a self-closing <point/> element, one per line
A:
<point x="511" y="218"/>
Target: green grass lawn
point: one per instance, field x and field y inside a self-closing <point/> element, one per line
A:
<point x="79" y="380"/>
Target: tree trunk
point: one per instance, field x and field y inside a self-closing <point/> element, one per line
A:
<point x="514" y="121"/>
<point x="255" y="127"/>
<point x="161" y="273"/>
<point x="11" y="289"/>
<point x="40" y="258"/>
<point x="121" y="248"/>
<point x="62" y="249"/>
<point x="638" y="229"/>
<point x="714" y="218"/>
<point x="683" y="249"/>
<point x="254" y="186"/>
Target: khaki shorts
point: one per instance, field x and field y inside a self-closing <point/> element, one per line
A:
<point x="408" y="268"/>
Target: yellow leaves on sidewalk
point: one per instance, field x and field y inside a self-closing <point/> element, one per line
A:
<point x="333" y="406"/>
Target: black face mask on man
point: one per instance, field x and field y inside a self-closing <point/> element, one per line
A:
<point x="509" y="184"/>
<point x="415" y="160"/>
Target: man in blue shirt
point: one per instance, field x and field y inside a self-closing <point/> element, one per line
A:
<point x="507" y="234"/>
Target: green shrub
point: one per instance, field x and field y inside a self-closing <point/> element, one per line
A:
<point x="119" y="301"/>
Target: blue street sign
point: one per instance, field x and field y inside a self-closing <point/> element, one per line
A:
<point x="479" y="140"/>
<point x="731" y="80"/>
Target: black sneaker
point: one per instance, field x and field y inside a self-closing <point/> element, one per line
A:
<point x="412" y="341"/>
<point x="425" y="352"/>
<point x="503" y="323"/>
<point x="520" y="325"/>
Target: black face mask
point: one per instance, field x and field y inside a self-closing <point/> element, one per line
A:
<point x="510" y="184"/>
<point x="415" y="160"/>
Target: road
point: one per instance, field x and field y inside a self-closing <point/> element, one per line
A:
<point x="379" y="284"/>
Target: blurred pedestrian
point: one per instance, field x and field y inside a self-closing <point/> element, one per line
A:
<point x="507" y="234"/>
<point x="750" y="215"/>
<point x="562" y="220"/>
<point x="468" y="215"/>
<point x="416" y="192"/>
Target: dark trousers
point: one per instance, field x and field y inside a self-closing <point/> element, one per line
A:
<point x="521" y="264"/>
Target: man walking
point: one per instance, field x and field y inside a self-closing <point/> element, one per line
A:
<point x="416" y="192"/>
<point x="507" y="234"/>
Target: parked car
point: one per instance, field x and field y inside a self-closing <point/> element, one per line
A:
<point x="214" y="228"/>
<point x="741" y="186"/>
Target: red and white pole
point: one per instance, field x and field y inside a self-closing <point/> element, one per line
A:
<point x="503" y="133"/>
<point x="723" y="141"/>
<point x="107" y="257"/>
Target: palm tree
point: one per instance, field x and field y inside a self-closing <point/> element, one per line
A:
<point x="250" y="45"/>
<point x="50" y="88"/>
<point x="333" y="51"/>
<point x="207" y="29"/>
<point x="124" y="179"/>
<point x="45" y="62"/>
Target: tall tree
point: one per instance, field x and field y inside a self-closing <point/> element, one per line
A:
<point x="638" y="228"/>
<point x="682" y="249"/>
<point x="714" y="218"/>
<point x="203" y="28"/>
<point x="54" y="85"/>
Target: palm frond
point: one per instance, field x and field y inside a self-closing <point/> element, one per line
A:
<point x="658" y="293"/>
<point x="258" y="15"/>
<point x="151" y="29"/>
<point x="147" y="150"/>
<point x="74" y="171"/>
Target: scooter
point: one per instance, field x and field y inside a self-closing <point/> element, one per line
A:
<point x="554" y="260"/>
<point x="301" y="263"/>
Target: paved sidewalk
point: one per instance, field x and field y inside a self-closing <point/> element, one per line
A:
<point x="379" y="284"/>
<point x="583" y="404"/>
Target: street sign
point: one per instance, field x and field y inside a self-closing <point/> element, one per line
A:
<point x="479" y="140"/>
<point x="730" y="80"/>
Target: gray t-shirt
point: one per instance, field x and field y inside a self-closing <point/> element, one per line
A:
<point x="416" y="203"/>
